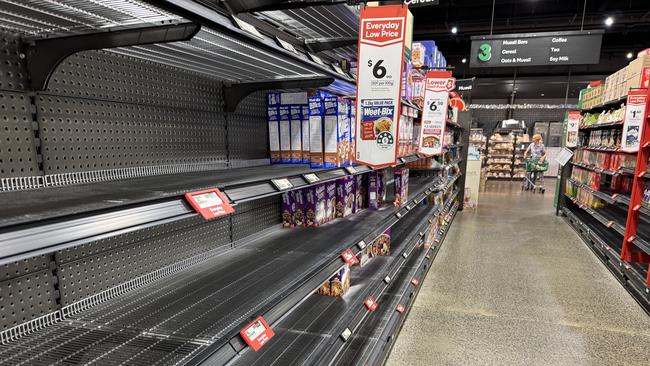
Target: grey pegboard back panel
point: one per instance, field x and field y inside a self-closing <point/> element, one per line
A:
<point x="104" y="75"/>
<point x="85" y="270"/>
<point x="26" y="297"/>
<point x="17" y="148"/>
<point x="23" y="267"/>
<point x="83" y="134"/>
<point x="248" y="132"/>
<point x="13" y="75"/>
<point x="254" y="216"/>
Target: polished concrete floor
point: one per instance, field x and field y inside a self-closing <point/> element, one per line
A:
<point x="514" y="285"/>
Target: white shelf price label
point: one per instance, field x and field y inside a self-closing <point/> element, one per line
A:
<point x="400" y="308"/>
<point x="315" y="58"/>
<point x="247" y="27"/>
<point x="362" y="245"/>
<point x="286" y="45"/>
<point x="282" y="184"/>
<point x="311" y="178"/>
<point x="257" y="333"/>
<point x="338" y="69"/>
<point x="405" y="255"/>
<point x="398" y="215"/>
<point x="346" y="334"/>
<point x="408" y="207"/>
<point x="351" y="169"/>
<point x="387" y="279"/>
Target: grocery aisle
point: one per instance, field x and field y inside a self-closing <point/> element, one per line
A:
<point x="514" y="285"/>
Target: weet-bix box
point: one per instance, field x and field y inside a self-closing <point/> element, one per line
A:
<point x="345" y="196"/>
<point x="315" y="205"/>
<point x="316" y="152"/>
<point x="330" y="189"/>
<point x="352" y="116"/>
<point x="360" y="192"/>
<point x="273" y="118"/>
<point x="305" y="133"/>
<point x="336" y="132"/>
<point x="295" y="116"/>
<point x="285" y="134"/>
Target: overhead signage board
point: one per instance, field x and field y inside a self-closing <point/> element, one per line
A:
<point x="437" y="86"/>
<point x="634" y="120"/>
<point x="421" y="3"/>
<point x="381" y="48"/>
<point x="536" y="49"/>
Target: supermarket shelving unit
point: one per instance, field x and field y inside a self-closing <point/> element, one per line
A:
<point x="509" y="159"/>
<point x="103" y="259"/>
<point x="617" y="228"/>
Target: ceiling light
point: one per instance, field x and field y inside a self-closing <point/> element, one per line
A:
<point x="609" y="21"/>
<point x="542" y="94"/>
<point x="464" y="60"/>
<point x="454" y="30"/>
<point x="629" y="55"/>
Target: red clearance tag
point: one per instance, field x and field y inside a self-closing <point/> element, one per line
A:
<point x="349" y="257"/>
<point x="257" y="333"/>
<point x="400" y="308"/>
<point x="370" y="303"/>
<point x="210" y="203"/>
<point x="610" y="223"/>
<point x="415" y="281"/>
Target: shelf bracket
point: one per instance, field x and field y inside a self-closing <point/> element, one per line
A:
<point x="44" y="55"/>
<point x="236" y="92"/>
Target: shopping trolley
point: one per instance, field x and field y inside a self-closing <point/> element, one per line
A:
<point x="534" y="180"/>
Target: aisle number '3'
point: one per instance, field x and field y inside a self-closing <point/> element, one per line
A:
<point x="485" y="52"/>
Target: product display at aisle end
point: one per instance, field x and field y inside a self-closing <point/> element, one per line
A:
<point x="606" y="191"/>
<point x="505" y="154"/>
<point x="197" y="187"/>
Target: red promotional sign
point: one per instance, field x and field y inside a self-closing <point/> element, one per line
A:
<point x="210" y="203"/>
<point x="400" y="308"/>
<point x="370" y="303"/>
<point x="382" y="33"/>
<point x="349" y="257"/>
<point x="437" y="86"/>
<point x="257" y="333"/>
<point x="634" y="120"/>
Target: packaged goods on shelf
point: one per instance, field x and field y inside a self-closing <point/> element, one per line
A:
<point x="345" y="196"/>
<point x="401" y="186"/>
<point x="352" y="117"/>
<point x="376" y="189"/>
<point x="378" y="247"/>
<point x="336" y="132"/>
<point x="316" y="205"/>
<point x="273" y="118"/>
<point x="338" y="285"/>
<point x="646" y="195"/>
<point x="287" y="210"/>
<point x="621" y="184"/>
<point x="622" y="160"/>
<point x="360" y="192"/>
<point x="316" y="152"/>
<point x="305" y="134"/>
<point x="295" y="117"/>
<point x="285" y="133"/>
<point x="330" y="206"/>
<point x="588" y="177"/>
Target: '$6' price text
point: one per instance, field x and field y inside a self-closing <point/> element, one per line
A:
<point x="378" y="71"/>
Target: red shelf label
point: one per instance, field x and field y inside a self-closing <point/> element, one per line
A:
<point x="210" y="203"/>
<point x="415" y="282"/>
<point x="257" y="333"/>
<point x="370" y="303"/>
<point x="349" y="257"/>
<point x="400" y="308"/>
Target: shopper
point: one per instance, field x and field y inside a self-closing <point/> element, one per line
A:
<point x="536" y="152"/>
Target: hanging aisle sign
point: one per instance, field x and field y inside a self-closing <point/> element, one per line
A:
<point x="634" y="120"/>
<point x="381" y="49"/>
<point x="437" y="86"/>
<point x="572" y="127"/>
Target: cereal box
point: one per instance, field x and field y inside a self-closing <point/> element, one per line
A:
<point x="316" y="152"/>
<point x="401" y="186"/>
<point x="336" y="132"/>
<point x="287" y="210"/>
<point x="360" y="192"/>
<point x="345" y="196"/>
<point x="298" y="207"/>
<point x="295" y="116"/>
<point x="376" y="190"/>
<point x="330" y="189"/>
<point x="305" y="133"/>
<point x="285" y="134"/>
<point x="315" y="205"/>
<point x="352" y="107"/>
<point x="274" y="134"/>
